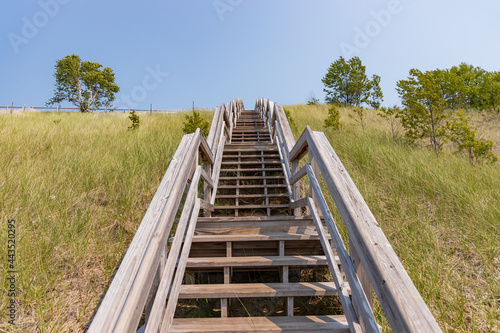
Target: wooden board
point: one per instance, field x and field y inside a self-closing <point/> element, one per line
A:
<point x="193" y="291"/>
<point x="309" y="324"/>
<point x="257" y="261"/>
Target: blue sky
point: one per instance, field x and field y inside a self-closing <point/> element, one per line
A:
<point x="171" y="53"/>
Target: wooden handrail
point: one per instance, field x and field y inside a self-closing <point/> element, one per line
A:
<point x="139" y="272"/>
<point x="403" y="306"/>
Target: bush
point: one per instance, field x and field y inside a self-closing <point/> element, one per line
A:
<point x="134" y="117"/>
<point x="333" y="119"/>
<point x="291" y="121"/>
<point x="464" y="137"/>
<point x="196" y="121"/>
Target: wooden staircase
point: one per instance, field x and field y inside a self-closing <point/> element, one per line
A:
<point x="252" y="233"/>
<point x="234" y="242"/>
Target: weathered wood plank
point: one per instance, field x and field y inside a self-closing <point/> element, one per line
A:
<point x="311" y="324"/>
<point x="179" y="274"/>
<point x="298" y="175"/>
<point x="168" y="273"/>
<point x="350" y="313"/>
<point x="258" y="290"/>
<point x="124" y="301"/>
<point x="403" y="306"/>
<point x="361" y="304"/>
<point x="299" y="203"/>
<point x="259" y="261"/>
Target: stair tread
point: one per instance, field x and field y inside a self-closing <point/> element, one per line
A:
<point x="252" y="206"/>
<point x="253" y="170"/>
<point x="250" y="186"/>
<point x="243" y="196"/>
<point x="189" y="291"/>
<point x="257" y="261"/>
<point x="250" y="177"/>
<point x="268" y="236"/>
<point x="277" y="162"/>
<point x="311" y="324"/>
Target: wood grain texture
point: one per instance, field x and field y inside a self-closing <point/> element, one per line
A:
<point x="403" y="306"/>
<point x="311" y="324"/>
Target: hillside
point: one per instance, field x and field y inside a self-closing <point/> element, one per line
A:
<point x="78" y="185"/>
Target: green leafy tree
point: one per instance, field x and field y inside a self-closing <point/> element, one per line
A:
<point x="424" y="115"/>
<point x="196" y="121"/>
<point x="85" y="84"/>
<point x="346" y="83"/>
<point x="490" y="91"/>
<point x="333" y="119"/>
<point x="134" y="118"/>
<point x="376" y="96"/>
<point x="464" y="137"/>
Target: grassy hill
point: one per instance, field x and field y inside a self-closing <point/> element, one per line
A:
<point x="78" y="185"/>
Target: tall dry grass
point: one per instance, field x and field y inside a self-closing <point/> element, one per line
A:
<point x="78" y="186"/>
<point x="440" y="213"/>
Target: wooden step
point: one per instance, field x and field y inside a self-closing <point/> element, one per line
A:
<point x="258" y="261"/>
<point x="271" y="147"/>
<point x="251" y="177"/>
<point x="260" y="130"/>
<point x="245" y="196"/>
<point x="253" y="170"/>
<point x="271" y="161"/>
<point x="238" y="290"/>
<point x="250" y="207"/>
<point x="251" y="186"/>
<point x="250" y="156"/>
<point x="309" y="324"/>
<point x="278" y="236"/>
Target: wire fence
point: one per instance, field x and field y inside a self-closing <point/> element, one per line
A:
<point x="13" y="108"/>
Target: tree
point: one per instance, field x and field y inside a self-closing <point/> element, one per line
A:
<point x="425" y="106"/>
<point x="196" y="121"/>
<point x="346" y="82"/>
<point x="83" y="83"/>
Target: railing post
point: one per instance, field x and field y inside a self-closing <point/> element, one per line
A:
<point x="296" y="188"/>
<point x="361" y="272"/>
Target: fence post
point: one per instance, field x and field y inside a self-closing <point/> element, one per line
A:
<point x="150" y="109"/>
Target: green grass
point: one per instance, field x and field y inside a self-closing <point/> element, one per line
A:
<point x="78" y="186"/>
<point x="440" y="213"/>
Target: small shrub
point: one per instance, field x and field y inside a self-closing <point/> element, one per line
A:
<point x="391" y="115"/>
<point x="333" y="119"/>
<point x="291" y="121"/>
<point x="359" y="116"/>
<point x="464" y="137"/>
<point x="195" y="121"/>
<point x="134" y="117"/>
<point x="313" y="101"/>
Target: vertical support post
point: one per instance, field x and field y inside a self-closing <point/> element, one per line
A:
<point x="296" y="188"/>
<point x="317" y="174"/>
<point x="151" y="109"/>
<point x="361" y="272"/>
<point x="224" y="302"/>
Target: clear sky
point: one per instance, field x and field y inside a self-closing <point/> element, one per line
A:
<point x="173" y="52"/>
